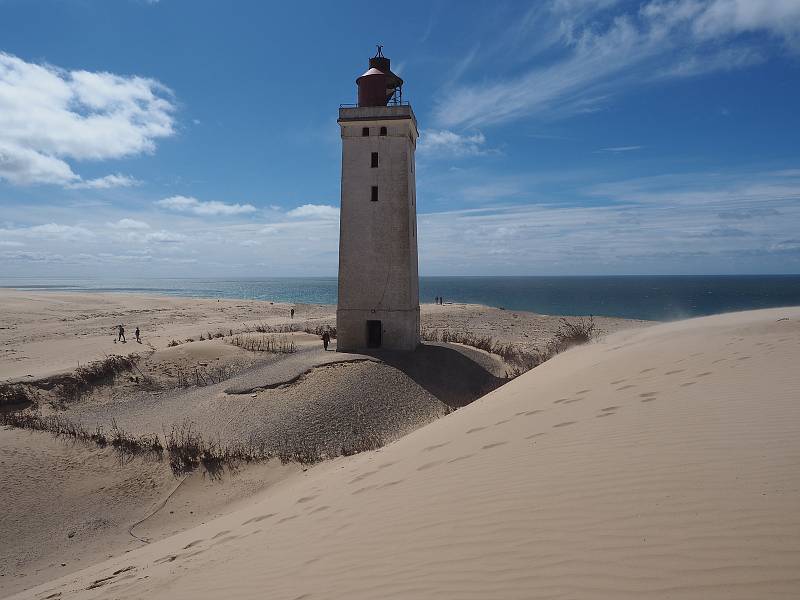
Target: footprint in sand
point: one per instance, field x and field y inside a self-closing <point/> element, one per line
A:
<point x="459" y="458"/>
<point x="284" y="519"/>
<point x="191" y="544"/>
<point x="648" y="396"/>
<point x="565" y="424"/>
<point x="434" y="447"/>
<point x="104" y="580"/>
<point x="305" y="499"/>
<point x="688" y="383"/>
<point x="573" y="400"/>
<point x="259" y="518"/>
<point x="625" y="387"/>
<point x="560" y="400"/>
<point x="647" y="370"/>
<point x="221" y="533"/>
<point x="532" y="412"/>
<point x="494" y="445"/>
<point x="362" y="476"/>
<point x="227" y="538"/>
<point x="163" y="559"/>
<point x="502" y="421"/>
<point x="704" y="374"/>
<point x="582" y="392"/>
<point x="366" y="488"/>
<point x="618" y="381"/>
<point x="474" y="429"/>
<point x="429" y="465"/>
<point x="676" y="371"/>
<point x="743" y="357"/>
<point x="391" y="483"/>
<point x="534" y="435"/>
<point x="319" y="509"/>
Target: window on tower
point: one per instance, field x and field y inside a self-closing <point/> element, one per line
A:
<point x="383" y="130"/>
<point x="374" y="160"/>
<point x="365" y="131"/>
<point x="374" y="193"/>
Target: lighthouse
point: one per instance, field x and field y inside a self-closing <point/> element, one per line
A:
<point x="378" y="303"/>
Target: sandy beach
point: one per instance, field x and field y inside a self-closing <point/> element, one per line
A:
<point x="659" y="461"/>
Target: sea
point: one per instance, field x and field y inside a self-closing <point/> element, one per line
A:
<point x="659" y="298"/>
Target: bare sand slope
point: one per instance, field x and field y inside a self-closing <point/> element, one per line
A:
<point x="66" y="506"/>
<point x="658" y="463"/>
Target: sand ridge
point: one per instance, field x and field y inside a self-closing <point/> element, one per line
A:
<point x="659" y="463"/>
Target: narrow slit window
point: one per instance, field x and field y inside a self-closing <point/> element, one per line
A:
<point x="374" y="193"/>
<point x="365" y="132"/>
<point x="383" y="130"/>
<point x="374" y="160"/>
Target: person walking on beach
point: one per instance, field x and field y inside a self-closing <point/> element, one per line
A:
<point x="291" y="313"/>
<point x="326" y="339"/>
<point x="121" y="333"/>
<point x="136" y="335"/>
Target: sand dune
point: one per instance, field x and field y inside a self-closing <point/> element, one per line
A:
<point x="658" y="463"/>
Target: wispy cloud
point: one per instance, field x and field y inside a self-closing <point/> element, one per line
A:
<point x="104" y="183"/>
<point x="448" y="144"/>
<point x="49" y="116"/>
<point x="618" y="149"/>
<point x="187" y="204"/>
<point x="587" y="62"/>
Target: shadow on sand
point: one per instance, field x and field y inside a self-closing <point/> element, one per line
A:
<point x="456" y="375"/>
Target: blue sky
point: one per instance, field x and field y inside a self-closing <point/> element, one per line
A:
<point x="199" y="138"/>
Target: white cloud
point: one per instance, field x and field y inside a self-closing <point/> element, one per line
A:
<point x="444" y="143"/>
<point x="194" y="206"/>
<point x="591" y="58"/>
<point x="314" y="211"/>
<point x="165" y="237"/>
<point x="103" y="183"/>
<point x="10" y="244"/>
<point x="50" y="231"/>
<point x="129" y="224"/>
<point x="49" y="115"/>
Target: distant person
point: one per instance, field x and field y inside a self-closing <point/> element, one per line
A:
<point x="121" y="333"/>
<point x="291" y="313"/>
<point x="136" y="335"/>
<point x="326" y="339"/>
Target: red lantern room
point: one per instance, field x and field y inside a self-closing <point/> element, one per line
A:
<point x="379" y="86"/>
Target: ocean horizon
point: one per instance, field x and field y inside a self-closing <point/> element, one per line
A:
<point x="655" y="297"/>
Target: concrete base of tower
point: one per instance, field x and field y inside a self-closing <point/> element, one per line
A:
<point x="358" y="329"/>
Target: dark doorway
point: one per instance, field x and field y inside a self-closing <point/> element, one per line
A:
<point x="374" y="330"/>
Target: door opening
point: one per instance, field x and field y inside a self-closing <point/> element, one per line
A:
<point x="374" y="330"/>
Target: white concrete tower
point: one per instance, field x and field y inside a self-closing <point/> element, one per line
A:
<point x="378" y="278"/>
